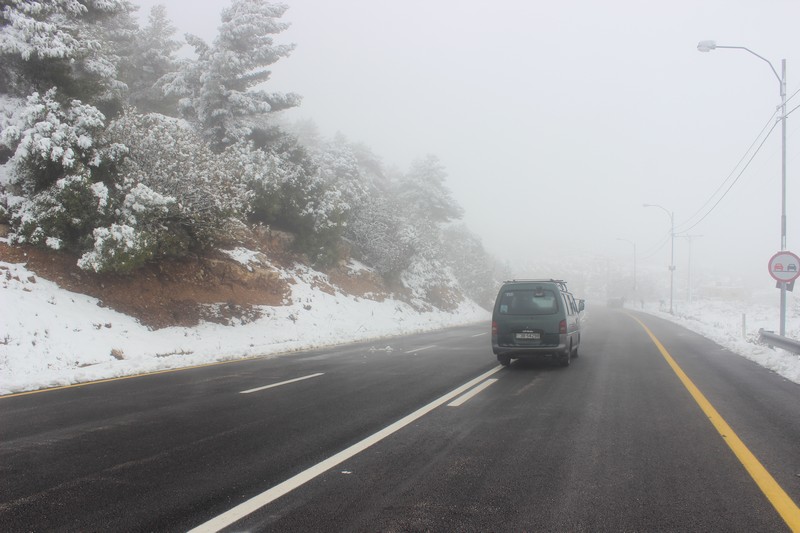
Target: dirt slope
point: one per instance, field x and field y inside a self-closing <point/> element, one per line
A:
<point x="183" y="292"/>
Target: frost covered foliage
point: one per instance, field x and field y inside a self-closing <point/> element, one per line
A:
<point x="339" y="169"/>
<point x="401" y="222"/>
<point x="381" y="237"/>
<point x="423" y="194"/>
<point x="57" y="164"/>
<point x="473" y="267"/>
<point x="70" y="44"/>
<point x="141" y="235"/>
<point x="152" y="57"/>
<point x="174" y="194"/>
<point x="216" y="89"/>
<point x="431" y="281"/>
<point x="62" y="216"/>
<point x="9" y="117"/>
<point x="51" y="139"/>
<point x="291" y="194"/>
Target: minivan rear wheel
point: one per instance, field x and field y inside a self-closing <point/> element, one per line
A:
<point x="566" y="357"/>
<point x="504" y="360"/>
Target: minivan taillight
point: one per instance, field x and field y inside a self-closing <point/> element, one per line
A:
<point x="494" y="328"/>
<point x="562" y="327"/>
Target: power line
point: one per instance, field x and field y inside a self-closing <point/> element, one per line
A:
<point x="657" y="247"/>
<point x="734" y="181"/>
<point x="721" y="185"/>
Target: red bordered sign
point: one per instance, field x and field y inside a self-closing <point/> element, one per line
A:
<point x="784" y="266"/>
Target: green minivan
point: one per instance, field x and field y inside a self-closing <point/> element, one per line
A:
<point x="536" y="318"/>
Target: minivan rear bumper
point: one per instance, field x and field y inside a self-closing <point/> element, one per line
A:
<point x="517" y="352"/>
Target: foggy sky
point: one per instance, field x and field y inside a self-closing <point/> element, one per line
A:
<point x="556" y="121"/>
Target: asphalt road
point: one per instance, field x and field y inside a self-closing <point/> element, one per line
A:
<point x="430" y="435"/>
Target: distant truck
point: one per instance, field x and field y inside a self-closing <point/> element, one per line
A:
<point x="615" y="303"/>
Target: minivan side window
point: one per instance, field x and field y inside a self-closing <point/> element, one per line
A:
<point x="567" y="304"/>
<point x="572" y="304"/>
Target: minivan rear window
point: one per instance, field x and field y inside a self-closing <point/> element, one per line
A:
<point x="528" y="302"/>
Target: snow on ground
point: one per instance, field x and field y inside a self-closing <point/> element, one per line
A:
<point x="735" y="324"/>
<point x="52" y="337"/>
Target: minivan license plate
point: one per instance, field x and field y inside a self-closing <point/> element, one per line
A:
<point x="528" y="336"/>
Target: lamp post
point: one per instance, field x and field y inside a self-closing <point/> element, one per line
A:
<point x="634" y="261"/>
<point x="707" y="46"/>
<point x="671" y="253"/>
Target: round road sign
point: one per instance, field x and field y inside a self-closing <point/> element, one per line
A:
<point x="784" y="266"/>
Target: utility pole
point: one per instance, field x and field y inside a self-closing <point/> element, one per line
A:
<point x="671" y="215"/>
<point x="689" y="238"/>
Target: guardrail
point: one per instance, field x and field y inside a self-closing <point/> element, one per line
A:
<point x="770" y="338"/>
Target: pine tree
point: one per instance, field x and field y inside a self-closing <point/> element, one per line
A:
<point x="424" y="195"/>
<point x="152" y="57"/>
<point x="71" y="45"/>
<point x="217" y="89"/>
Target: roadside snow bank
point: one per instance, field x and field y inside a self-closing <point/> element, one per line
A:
<point x="52" y="337"/>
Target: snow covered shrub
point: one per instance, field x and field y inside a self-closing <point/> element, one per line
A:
<point x="59" y="162"/>
<point x="338" y="167"/>
<point x="118" y="248"/>
<point x="381" y="237"/>
<point x="52" y="139"/>
<point x="61" y="216"/>
<point x="290" y="194"/>
<point x="430" y="281"/>
<point x="140" y="236"/>
<point x="198" y="190"/>
<point x="9" y="113"/>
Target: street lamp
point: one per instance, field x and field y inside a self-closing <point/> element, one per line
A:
<point x="671" y="253"/>
<point x="707" y="46"/>
<point x="634" y="261"/>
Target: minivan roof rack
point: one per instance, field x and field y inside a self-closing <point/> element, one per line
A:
<point x="560" y="282"/>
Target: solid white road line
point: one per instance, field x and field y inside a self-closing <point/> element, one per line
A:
<point x="253" y="504"/>
<point x="423" y="348"/>
<point x="480" y="334"/>
<point x="281" y="383"/>
<point x="470" y="394"/>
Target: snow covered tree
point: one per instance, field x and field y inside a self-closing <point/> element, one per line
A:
<point x="216" y="89"/>
<point x="339" y="168"/>
<point x="73" y="45"/>
<point x="152" y="56"/>
<point x="424" y="195"/>
<point x="51" y="140"/>
<point x="381" y="236"/>
<point x="59" y="157"/>
<point x="472" y="266"/>
<point x="290" y="194"/>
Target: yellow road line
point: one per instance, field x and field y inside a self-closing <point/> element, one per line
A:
<point x="774" y="493"/>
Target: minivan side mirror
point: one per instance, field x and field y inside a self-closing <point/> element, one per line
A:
<point x="581" y="305"/>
